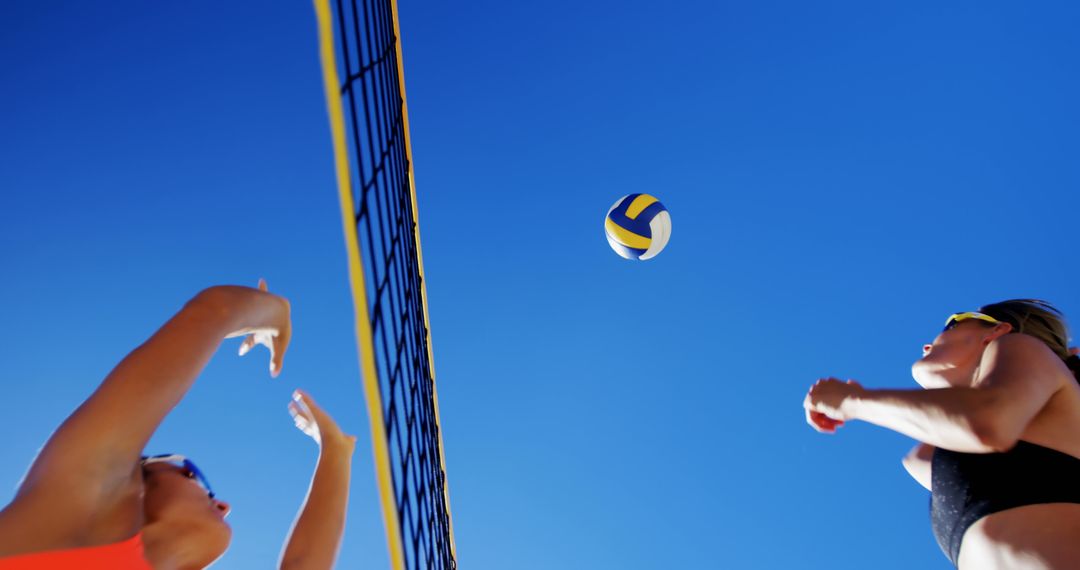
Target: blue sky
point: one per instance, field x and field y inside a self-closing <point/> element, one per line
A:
<point x="841" y="176"/>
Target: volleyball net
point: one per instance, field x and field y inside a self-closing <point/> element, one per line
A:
<point x="365" y="93"/>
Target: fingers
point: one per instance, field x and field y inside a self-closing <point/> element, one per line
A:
<point x="248" y="343"/>
<point x="827" y="421"/>
<point x="810" y="420"/>
<point x="305" y="399"/>
<point x="279" y="342"/>
<point x="278" y="345"/>
<point x="822" y="423"/>
<point x="272" y="340"/>
<point x="820" y="412"/>
<point x="302" y="395"/>
<point x="311" y="419"/>
<point x="330" y="434"/>
<point x="277" y="348"/>
<point x="303" y="419"/>
<point x="269" y="325"/>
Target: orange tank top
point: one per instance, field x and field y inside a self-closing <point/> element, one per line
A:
<point x="125" y="555"/>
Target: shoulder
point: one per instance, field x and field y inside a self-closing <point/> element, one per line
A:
<point x="1022" y="347"/>
<point x="1023" y="359"/>
<point x="39" y="518"/>
<point x="1023" y="343"/>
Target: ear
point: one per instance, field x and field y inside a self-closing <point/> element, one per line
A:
<point x="999" y="330"/>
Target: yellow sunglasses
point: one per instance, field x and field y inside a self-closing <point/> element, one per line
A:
<point x="958" y="318"/>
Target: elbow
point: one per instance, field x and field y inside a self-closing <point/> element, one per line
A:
<point x="992" y="439"/>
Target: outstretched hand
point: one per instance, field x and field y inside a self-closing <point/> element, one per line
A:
<point x="274" y="330"/>
<point x="311" y="419"/>
<point x="825" y="403"/>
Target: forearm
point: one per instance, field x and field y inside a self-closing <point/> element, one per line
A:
<point x="153" y="378"/>
<point x="111" y="428"/>
<point x="950" y="418"/>
<point x="315" y="537"/>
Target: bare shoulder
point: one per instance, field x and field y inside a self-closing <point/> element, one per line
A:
<point x="39" y="519"/>
<point x="1024" y="346"/>
<point x="1025" y="365"/>
<point x="1022" y="359"/>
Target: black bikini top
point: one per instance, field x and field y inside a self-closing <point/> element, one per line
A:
<point x="968" y="486"/>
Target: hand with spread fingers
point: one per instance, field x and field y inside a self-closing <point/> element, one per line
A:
<point x="311" y="419"/>
<point x="316" y="535"/>
<point x="271" y="327"/>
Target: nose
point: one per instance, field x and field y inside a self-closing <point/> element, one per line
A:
<point x="223" y="507"/>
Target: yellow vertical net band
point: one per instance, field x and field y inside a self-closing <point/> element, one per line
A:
<point x="365" y="92"/>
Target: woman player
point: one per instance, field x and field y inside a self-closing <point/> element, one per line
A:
<point x="91" y="499"/>
<point x="999" y="426"/>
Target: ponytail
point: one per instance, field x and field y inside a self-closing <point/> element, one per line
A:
<point x="1073" y="362"/>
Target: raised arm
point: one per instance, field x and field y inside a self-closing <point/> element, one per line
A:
<point x="315" y="538"/>
<point x="95" y="452"/>
<point x="1019" y="376"/>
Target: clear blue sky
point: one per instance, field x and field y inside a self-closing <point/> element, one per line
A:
<point x="841" y="176"/>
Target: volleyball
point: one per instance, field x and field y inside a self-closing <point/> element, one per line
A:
<point x="638" y="226"/>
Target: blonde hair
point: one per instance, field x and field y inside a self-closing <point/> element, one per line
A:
<point x="1041" y="320"/>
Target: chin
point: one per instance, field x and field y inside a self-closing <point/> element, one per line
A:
<point x="216" y="535"/>
<point x="219" y="544"/>
<point x="924" y="374"/>
<point x="224" y="533"/>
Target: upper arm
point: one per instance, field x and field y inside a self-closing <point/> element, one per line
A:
<point x="1019" y="375"/>
<point x="91" y="462"/>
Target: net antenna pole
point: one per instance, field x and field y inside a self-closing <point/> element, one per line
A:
<point x="369" y="117"/>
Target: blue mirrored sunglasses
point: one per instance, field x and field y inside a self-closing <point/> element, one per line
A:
<point x="186" y="465"/>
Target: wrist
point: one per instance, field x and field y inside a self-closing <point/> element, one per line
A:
<point x="239" y="308"/>
<point x="852" y="405"/>
<point x="338" y="445"/>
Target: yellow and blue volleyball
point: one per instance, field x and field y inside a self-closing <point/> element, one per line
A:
<point x="638" y="226"/>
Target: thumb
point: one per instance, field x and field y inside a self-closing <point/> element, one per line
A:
<point x="280" y="345"/>
<point x="247" y="344"/>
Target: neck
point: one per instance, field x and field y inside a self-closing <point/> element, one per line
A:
<point x="170" y="548"/>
